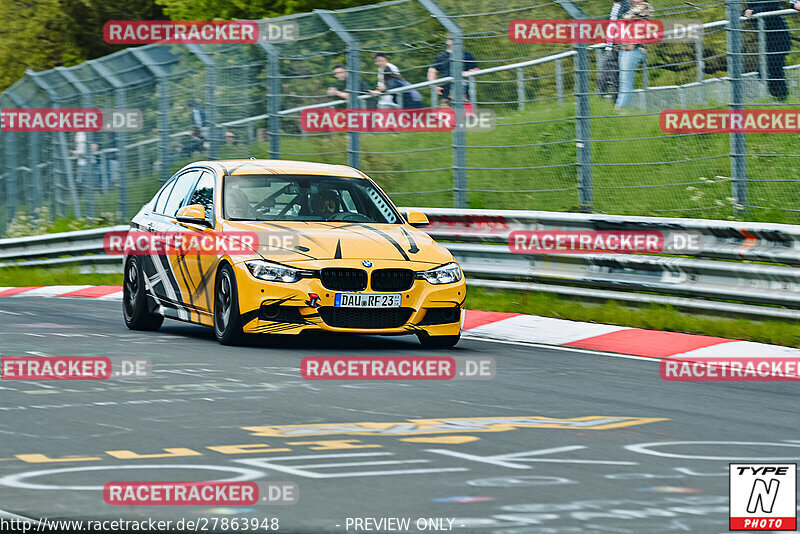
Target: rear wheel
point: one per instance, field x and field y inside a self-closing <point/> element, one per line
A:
<point x="227" y="321"/>
<point x="134" y="299"/>
<point x="438" y="342"/>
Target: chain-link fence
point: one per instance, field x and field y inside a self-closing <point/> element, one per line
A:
<point x="560" y="141"/>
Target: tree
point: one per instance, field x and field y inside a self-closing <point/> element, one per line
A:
<point x="42" y="34"/>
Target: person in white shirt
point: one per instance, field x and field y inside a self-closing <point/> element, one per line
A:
<point x="385" y="101"/>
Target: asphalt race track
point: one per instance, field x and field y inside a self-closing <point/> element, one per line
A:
<point x="659" y="464"/>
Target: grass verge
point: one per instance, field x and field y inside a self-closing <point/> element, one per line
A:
<point x="652" y="316"/>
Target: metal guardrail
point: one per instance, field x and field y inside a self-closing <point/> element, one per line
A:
<point x="744" y="268"/>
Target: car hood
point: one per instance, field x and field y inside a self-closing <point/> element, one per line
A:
<point x="310" y="241"/>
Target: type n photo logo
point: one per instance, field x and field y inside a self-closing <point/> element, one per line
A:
<point x="763" y="497"/>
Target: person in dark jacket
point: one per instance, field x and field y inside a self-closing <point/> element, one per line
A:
<point x="608" y="73"/>
<point x="778" y="43"/>
<point x="407" y="99"/>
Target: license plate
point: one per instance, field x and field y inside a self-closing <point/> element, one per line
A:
<point x="367" y="300"/>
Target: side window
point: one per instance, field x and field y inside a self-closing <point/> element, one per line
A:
<point x="204" y="193"/>
<point x="182" y="186"/>
<point x="162" y="198"/>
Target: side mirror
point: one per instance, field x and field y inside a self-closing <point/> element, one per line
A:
<point x="194" y="214"/>
<point x="417" y="219"/>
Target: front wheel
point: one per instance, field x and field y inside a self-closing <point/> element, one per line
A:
<point x="227" y="321"/>
<point x="438" y="342"/>
<point x="134" y="299"/>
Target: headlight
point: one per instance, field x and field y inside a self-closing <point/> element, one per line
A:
<point x="273" y="272"/>
<point x="446" y="274"/>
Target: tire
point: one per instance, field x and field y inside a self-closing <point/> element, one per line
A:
<point x="227" y="321"/>
<point x="134" y="299"/>
<point x="438" y="342"/>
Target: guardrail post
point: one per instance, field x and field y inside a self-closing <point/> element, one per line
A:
<point x="645" y="80"/>
<point x="738" y="148"/>
<point x="120" y="138"/>
<point x="520" y="89"/>
<point x="215" y="139"/>
<point x="434" y="97"/>
<point x="560" y="81"/>
<point x="160" y="75"/>
<point x="460" y="199"/>
<point x="353" y="73"/>
<point x="63" y="148"/>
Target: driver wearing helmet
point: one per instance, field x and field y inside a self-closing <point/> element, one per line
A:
<point x="324" y="203"/>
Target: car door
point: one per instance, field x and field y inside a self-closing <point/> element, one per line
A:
<point x="160" y="266"/>
<point x="193" y="270"/>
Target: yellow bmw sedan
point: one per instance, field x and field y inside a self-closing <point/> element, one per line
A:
<point x="281" y="247"/>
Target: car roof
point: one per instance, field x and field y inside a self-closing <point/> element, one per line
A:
<point x="279" y="166"/>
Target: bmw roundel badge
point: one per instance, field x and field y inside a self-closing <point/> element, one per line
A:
<point x="366" y="263"/>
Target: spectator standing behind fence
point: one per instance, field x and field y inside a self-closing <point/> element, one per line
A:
<point x="632" y="55"/>
<point x="340" y="89"/>
<point x="608" y="78"/>
<point x="385" y="101"/>
<point x="778" y="44"/>
<point x="408" y="99"/>
<point x="441" y="67"/>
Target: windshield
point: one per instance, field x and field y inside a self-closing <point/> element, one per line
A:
<point x="305" y="198"/>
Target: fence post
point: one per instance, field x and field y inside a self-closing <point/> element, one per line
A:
<point x="87" y="186"/>
<point x="210" y="67"/>
<point x="33" y="158"/>
<point x="160" y="75"/>
<point x="120" y="138"/>
<point x="273" y="98"/>
<point x="583" y="113"/>
<point x="583" y="129"/>
<point x="738" y="148"/>
<point x="520" y="89"/>
<point x="700" y="62"/>
<point x="11" y="174"/>
<point x="560" y="81"/>
<point x="63" y="146"/>
<point x="762" y="55"/>
<point x="460" y="199"/>
<point x="353" y="74"/>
